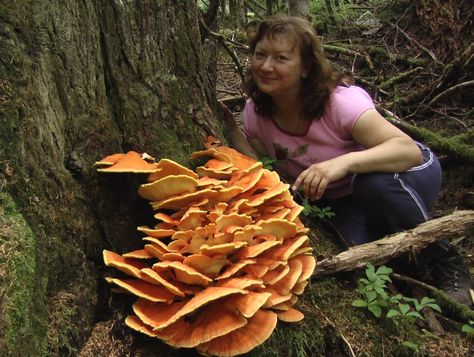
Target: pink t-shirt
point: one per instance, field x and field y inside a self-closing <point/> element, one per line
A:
<point x="327" y="137"/>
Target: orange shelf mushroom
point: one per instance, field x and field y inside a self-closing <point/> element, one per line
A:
<point x="231" y="260"/>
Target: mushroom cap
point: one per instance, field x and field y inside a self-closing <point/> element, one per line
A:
<point x="125" y="265"/>
<point x="248" y="304"/>
<point x="201" y="299"/>
<point x="290" y="315"/>
<point x="235" y="268"/>
<point x="156" y="233"/>
<point x="255" y="250"/>
<point x="109" y="160"/>
<point x="213" y="320"/>
<point x="309" y="264"/>
<point x="138" y="325"/>
<point x="166" y="218"/>
<point x="152" y="277"/>
<point x="280" y="228"/>
<point x="130" y="162"/>
<point x="288" y="247"/>
<point x="275" y="298"/>
<point x="240" y="283"/>
<point x="294" y="213"/>
<point x="138" y="254"/>
<point x="286" y="284"/>
<point x="299" y="287"/>
<point x="183" y="200"/>
<point x="183" y="273"/>
<point x="258" y="328"/>
<point x="222" y="249"/>
<point x="209" y="181"/>
<point x="143" y="289"/>
<point x="169" y="167"/>
<point x="233" y="219"/>
<point x="167" y="187"/>
<point x="209" y="266"/>
<point x="275" y="275"/>
<point x="256" y="270"/>
<point x="246" y="182"/>
<point x="192" y="219"/>
<point x="155" y="314"/>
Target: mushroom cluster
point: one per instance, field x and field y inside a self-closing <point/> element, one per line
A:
<point x="227" y="258"/>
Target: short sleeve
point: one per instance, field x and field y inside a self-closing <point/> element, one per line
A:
<point x="347" y="105"/>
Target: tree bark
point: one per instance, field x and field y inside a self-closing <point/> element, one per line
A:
<point x="383" y="250"/>
<point x="80" y="80"/>
<point x="299" y="8"/>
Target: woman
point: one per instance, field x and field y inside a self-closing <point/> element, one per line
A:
<point x="333" y="145"/>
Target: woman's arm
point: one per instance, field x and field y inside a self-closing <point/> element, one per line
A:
<point x="388" y="149"/>
<point x="250" y="147"/>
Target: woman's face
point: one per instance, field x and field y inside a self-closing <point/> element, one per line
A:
<point x="277" y="67"/>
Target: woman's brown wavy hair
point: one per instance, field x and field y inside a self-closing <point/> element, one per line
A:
<point x="316" y="88"/>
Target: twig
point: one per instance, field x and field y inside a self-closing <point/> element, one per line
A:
<point x="449" y="90"/>
<point x="222" y="40"/>
<point x="430" y="53"/>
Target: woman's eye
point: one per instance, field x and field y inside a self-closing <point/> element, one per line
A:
<point x="258" y="55"/>
<point x="281" y="58"/>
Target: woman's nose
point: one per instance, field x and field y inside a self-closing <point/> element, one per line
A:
<point x="267" y="64"/>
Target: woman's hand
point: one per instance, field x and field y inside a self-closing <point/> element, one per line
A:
<point x="316" y="178"/>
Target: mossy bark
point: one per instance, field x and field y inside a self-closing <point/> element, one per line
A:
<point x="80" y="80"/>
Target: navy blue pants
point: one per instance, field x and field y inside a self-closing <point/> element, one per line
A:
<point x="386" y="203"/>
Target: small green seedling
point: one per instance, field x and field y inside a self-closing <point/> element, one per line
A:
<point x="468" y="329"/>
<point x="269" y="163"/>
<point x="310" y="210"/>
<point x="376" y="299"/>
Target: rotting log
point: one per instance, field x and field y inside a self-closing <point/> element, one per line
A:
<point x="383" y="250"/>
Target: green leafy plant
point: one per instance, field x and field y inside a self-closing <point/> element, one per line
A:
<point x="468" y="328"/>
<point x="269" y="163"/>
<point x="310" y="210"/>
<point x="379" y="302"/>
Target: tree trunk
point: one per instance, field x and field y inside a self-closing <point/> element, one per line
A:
<point x="80" y="80"/>
<point x="298" y="8"/>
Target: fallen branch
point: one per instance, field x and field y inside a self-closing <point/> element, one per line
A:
<point x="383" y="250"/>
<point x="412" y="40"/>
<point x="449" y="90"/>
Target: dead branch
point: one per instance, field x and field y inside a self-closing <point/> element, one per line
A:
<point x="450" y="90"/>
<point x="222" y="40"/>
<point x="412" y="40"/>
<point x="383" y="250"/>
